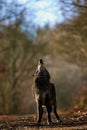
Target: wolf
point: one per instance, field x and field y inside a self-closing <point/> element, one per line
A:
<point x="44" y="93"/>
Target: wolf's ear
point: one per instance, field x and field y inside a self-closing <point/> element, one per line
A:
<point x="41" y="61"/>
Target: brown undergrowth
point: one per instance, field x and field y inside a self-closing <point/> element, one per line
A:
<point x="71" y="120"/>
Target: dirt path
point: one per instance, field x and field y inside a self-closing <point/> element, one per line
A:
<point x="84" y="127"/>
<point x="71" y="121"/>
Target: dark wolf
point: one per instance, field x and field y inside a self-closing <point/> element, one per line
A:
<point x="44" y="93"/>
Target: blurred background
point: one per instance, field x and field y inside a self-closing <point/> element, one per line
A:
<point x="55" y="30"/>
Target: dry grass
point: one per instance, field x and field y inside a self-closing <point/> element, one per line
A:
<point x="76" y="120"/>
<point x="55" y="128"/>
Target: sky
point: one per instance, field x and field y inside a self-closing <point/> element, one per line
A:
<point x="40" y="12"/>
<point x="43" y="11"/>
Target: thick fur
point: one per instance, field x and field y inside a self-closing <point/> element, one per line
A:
<point x="45" y="95"/>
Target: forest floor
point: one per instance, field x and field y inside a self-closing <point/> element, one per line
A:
<point x="76" y="120"/>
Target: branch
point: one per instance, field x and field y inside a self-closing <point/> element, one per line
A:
<point x="80" y="5"/>
<point x="5" y="49"/>
<point x="14" y="15"/>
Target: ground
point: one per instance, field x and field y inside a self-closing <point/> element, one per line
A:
<point x="76" y="120"/>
